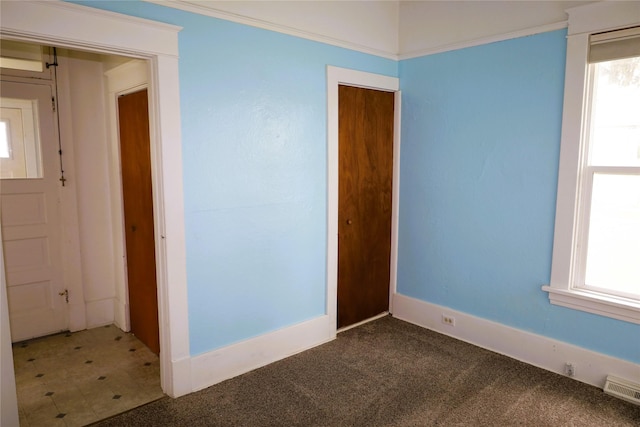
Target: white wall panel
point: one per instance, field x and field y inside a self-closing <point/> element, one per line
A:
<point x="32" y="296"/>
<point x="26" y="254"/>
<point x="92" y="176"/>
<point x="23" y="209"/>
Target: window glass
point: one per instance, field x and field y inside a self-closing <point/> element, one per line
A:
<point x="613" y="255"/>
<point x="4" y="140"/>
<point x="615" y="119"/>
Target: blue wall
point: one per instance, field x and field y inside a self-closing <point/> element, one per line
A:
<point x="479" y="169"/>
<point x="253" y="107"/>
<point x="480" y="144"/>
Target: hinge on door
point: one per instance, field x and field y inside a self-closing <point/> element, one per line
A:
<point x="53" y="104"/>
<point x="65" y="294"/>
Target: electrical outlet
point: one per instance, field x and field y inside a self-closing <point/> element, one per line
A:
<point x="448" y="320"/>
<point x="569" y="369"/>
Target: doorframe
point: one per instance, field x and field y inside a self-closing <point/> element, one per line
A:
<point x="85" y="28"/>
<point x="343" y="76"/>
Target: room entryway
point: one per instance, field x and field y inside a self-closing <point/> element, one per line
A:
<point x="80" y="377"/>
<point x="156" y="43"/>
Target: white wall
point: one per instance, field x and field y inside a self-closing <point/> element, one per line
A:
<point x="90" y="146"/>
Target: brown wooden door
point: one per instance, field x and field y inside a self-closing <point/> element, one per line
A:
<point x="133" y="115"/>
<point x="364" y="202"/>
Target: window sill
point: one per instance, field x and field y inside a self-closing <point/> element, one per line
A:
<point x="596" y="303"/>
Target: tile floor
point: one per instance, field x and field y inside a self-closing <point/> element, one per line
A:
<point x="74" y="379"/>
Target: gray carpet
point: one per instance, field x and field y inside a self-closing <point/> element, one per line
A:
<point x="391" y="373"/>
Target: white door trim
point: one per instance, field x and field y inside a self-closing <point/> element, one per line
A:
<point x="341" y="76"/>
<point x="85" y="28"/>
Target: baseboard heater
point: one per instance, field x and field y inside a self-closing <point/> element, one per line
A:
<point x="623" y="389"/>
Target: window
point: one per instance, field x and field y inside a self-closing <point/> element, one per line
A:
<point x="611" y="176"/>
<point x="596" y="252"/>
<point x="20" y="153"/>
<point x="21" y="56"/>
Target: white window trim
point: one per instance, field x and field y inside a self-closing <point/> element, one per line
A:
<point x="583" y="21"/>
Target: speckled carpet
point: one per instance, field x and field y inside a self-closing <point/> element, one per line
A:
<point x="391" y="373"/>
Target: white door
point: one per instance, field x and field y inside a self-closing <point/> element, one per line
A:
<point x="29" y="205"/>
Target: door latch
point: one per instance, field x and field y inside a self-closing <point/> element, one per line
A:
<point x="65" y="293"/>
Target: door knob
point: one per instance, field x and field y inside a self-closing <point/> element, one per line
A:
<point x="349" y="222"/>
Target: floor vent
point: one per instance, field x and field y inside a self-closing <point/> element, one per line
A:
<point x="623" y="389"/>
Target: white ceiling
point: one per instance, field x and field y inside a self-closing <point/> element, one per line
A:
<point x="393" y="29"/>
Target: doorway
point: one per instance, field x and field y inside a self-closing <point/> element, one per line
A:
<point x="346" y="77"/>
<point x="101" y="348"/>
<point x="158" y="43"/>
<point x="63" y="240"/>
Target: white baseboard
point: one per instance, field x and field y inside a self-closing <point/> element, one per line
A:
<point x="121" y="315"/>
<point x="99" y="313"/>
<point x="227" y="362"/>
<point x="590" y="367"/>
<point x="176" y="379"/>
